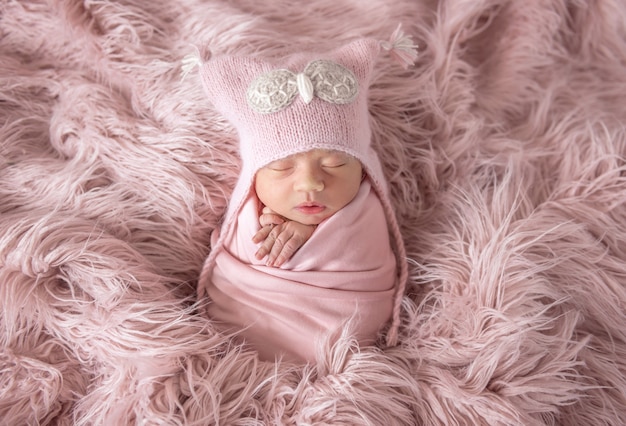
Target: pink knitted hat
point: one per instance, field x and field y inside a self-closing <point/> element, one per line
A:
<point x="299" y="103"/>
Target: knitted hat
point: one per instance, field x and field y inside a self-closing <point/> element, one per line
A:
<point x="295" y="104"/>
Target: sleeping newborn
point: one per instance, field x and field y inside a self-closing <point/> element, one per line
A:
<point x="285" y="299"/>
<point x="309" y="241"/>
<point x="304" y="189"/>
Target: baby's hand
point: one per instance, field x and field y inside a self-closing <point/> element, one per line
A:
<point x="268" y="217"/>
<point x="281" y="238"/>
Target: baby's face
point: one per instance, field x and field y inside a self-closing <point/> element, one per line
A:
<point x="311" y="186"/>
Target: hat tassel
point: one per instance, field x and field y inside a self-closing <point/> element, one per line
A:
<point x="193" y="60"/>
<point x="401" y="47"/>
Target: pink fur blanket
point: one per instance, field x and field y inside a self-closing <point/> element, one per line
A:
<point x="505" y="151"/>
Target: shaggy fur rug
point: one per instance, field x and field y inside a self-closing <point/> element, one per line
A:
<point x="505" y="150"/>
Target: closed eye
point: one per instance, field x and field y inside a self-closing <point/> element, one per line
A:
<point x="334" y="160"/>
<point x="333" y="165"/>
<point x="280" y="166"/>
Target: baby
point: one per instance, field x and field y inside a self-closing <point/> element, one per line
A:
<point x="305" y="246"/>
<point x="298" y="193"/>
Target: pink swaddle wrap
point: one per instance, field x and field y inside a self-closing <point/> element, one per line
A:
<point x="346" y="269"/>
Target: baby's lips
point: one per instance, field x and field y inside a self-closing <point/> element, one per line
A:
<point x="311" y="209"/>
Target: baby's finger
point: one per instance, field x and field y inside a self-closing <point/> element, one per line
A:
<point x="283" y="237"/>
<point x="271" y="219"/>
<point x="268" y="243"/>
<point x="262" y="234"/>
<point x="290" y="247"/>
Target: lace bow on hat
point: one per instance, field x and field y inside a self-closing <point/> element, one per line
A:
<point x="277" y="89"/>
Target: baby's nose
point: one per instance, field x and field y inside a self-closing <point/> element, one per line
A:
<point x="309" y="181"/>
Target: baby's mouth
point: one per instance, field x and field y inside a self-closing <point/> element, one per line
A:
<point x="310" y="208"/>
